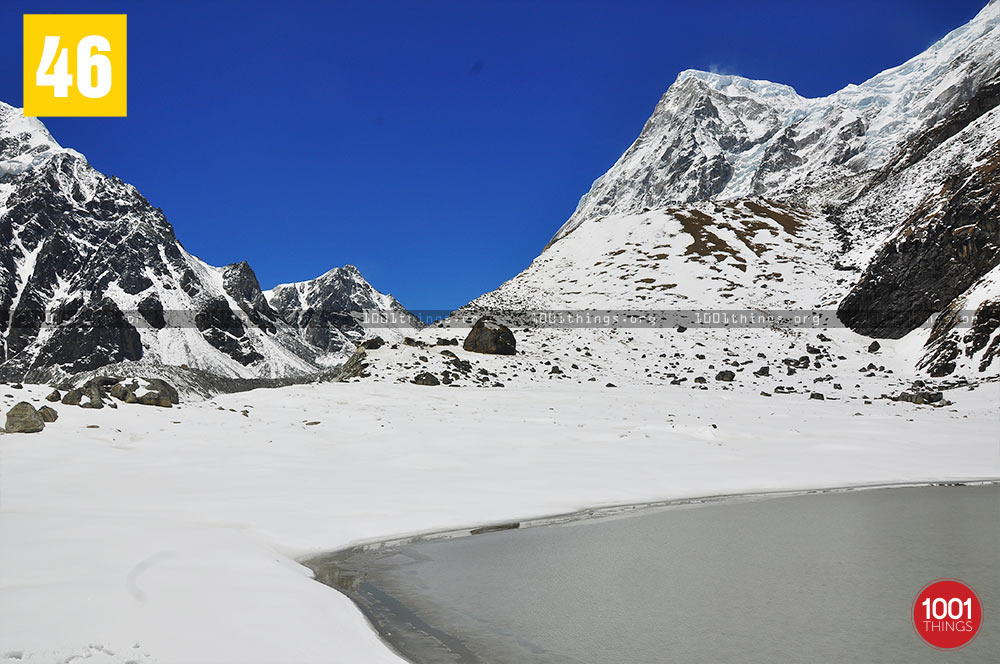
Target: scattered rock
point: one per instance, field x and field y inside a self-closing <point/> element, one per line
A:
<point x="763" y="371"/>
<point x="610" y="385"/>
<point x="874" y="347"/>
<point x="72" y="398"/>
<point x="119" y="391"/>
<point x="555" y="370"/>
<point x="920" y="398"/>
<point x="425" y="378"/>
<point x="355" y="366"/>
<point x="153" y="398"/>
<point x="373" y="344"/>
<point x="23" y="418"/>
<point x="16" y="386"/>
<point x="447" y="342"/>
<point x="700" y="380"/>
<point x="725" y="375"/>
<point x="92" y="396"/>
<point x="488" y="336"/>
<point x="818" y="396"/>
<point x="48" y="414"/>
<point x="54" y="396"/>
<point x="164" y="388"/>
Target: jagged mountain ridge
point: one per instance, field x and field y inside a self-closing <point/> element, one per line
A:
<point x="322" y="309"/>
<point x="90" y="254"/>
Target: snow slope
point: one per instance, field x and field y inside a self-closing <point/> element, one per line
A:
<point x="171" y="536"/>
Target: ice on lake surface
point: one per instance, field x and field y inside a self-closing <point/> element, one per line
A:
<point x="819" y="577"/>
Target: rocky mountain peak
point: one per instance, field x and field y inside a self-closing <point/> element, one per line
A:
<point x="92" y="274"/>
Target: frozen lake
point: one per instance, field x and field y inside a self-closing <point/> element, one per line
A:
<point x="825" y="577"/>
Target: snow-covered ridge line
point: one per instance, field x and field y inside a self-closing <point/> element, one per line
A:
<point x="721" y="136"/>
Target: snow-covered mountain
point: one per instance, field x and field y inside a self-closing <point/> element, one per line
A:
<point x="890" y="191"/>
<point x="870" y="213"/>
<point x="335" y="310"/>
<point x="92" y="274"/>
<point x="714" y="136"/>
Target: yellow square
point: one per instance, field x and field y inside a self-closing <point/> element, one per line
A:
<point x="74" y="65"/>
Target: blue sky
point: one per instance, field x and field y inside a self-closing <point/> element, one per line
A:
<point x="436" y="145"/>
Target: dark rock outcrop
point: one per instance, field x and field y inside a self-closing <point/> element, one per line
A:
<point x="490" y="337"/>
<point x="947" y="244"/>
<point x="425" y="378"/>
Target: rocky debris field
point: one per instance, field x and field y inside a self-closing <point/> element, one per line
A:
<point x="95" y="394"/>
<point x="835" y="365"/>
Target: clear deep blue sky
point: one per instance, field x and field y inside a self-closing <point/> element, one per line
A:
<point x="436" y="145"/>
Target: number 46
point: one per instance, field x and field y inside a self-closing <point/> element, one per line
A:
<point x="60" y="79"/>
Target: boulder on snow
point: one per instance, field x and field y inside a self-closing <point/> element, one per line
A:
<point x="874" y="347"/>
<point x="490" y="337"/>
<point x="48" y="414"/>
<point x="53" y="396"/>
<point x="72" y="398"/>
<point x="92" y="396"/>
<point x="119" y="391"/>
<point x="725" y="375"/>
<point x="154" y="398"/>
<point x="355" y="366"/>
<point x="921" y="397"/>
<point x="426" y="378"/>
<point x="23" y="418"/>
<point x="164" y="388"/>
<point x="373" y="344"/>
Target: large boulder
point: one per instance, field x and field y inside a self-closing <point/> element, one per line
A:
<point x="489" y="336"/>
<point x="23" y="418"/>
<point x="120" y="392"/>
<point x="48" y="414"/>
<point x="426" y="378"/>
<point x="92" y="396"/>
<point x="165" y="388"/>
<point x="373" y="344"/>
<point x="154" y="398"/>
<point x="72" y="398"/>
<point x="355" y="366"/>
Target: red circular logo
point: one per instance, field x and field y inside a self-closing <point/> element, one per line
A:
<point x="947" y="614"/>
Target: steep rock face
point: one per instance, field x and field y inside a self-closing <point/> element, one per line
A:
<point x="92" y="274"/>
<point x="949" y="242"/>
<point x="334" y="311"/>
